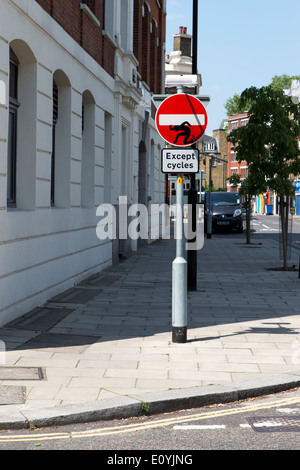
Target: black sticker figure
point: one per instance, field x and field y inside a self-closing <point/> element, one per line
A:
<point x="186" y="131"/>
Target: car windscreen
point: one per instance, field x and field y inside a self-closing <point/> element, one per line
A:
<point x="227" y="199"/>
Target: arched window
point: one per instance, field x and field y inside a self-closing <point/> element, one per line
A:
<point x="107" y="158"/>
<point x="12" y="128"/>
<point x="61" y="141"/>
<point x="152" y="173"/>
<point x="88" y="150"/>
<point x="22" y="145"/>
<point x="54" y="122"/>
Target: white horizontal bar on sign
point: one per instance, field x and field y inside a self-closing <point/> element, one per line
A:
<point x="178" y="119"/>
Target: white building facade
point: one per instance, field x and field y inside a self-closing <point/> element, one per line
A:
<point x="72" y="137"/>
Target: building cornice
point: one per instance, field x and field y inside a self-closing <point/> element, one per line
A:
<point x="130" y="95"/>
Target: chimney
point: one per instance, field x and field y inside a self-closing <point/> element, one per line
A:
<point x="183" y="42"/>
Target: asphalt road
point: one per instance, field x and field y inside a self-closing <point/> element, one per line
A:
<point x="268" y="226"/>
<point x="267" y="423"/>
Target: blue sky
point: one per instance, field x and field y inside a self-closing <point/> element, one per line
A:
<point x="241" y="43"/>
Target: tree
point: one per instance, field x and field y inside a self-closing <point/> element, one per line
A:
<point x="280" y="82"/>
<point x="269" y="145"/>
<point x="253" y="184"/>
<point x="234" y="180"/>
<point x="233" y="105"/>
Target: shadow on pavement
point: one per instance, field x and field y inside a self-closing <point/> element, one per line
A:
<point x="134" y="299"/>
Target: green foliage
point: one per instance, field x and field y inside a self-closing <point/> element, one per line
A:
<point x="234" y="179"/>
<point x="233" y="105"/>
<point x="253" y="184"/>
<point x="145" y="407"/>
<point x="269" y="141"/>
<point x="279" y="82"/>
<point x="213" y="189"/>
<point x="269" y="145"/>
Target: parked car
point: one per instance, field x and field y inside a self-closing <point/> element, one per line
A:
<point x="226" y="210"/>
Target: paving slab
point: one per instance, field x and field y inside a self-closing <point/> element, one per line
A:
<point x="12" y="395"/>
<point x="106" y="345"/>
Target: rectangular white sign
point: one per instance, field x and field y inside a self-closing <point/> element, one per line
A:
<point x="180" y="160"/>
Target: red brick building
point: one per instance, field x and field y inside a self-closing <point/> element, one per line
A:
<point x="148" y="41"/>
<point x="81" y="20"/>
<point x="89" y="23"/>
<point x="234" y="167"/>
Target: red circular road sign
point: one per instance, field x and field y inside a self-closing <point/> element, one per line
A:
<point x="181" y="120"/>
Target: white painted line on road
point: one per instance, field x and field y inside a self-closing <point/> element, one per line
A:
<point x="245" y="426"/>
<point x="199" y="426"/>
<point x="288" y="410"/>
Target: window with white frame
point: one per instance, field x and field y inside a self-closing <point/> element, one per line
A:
<point x="209" y="147"/>
<point x="124" y="24"/>
<point x="244" y="172"/>
<point x="109" y="17"/>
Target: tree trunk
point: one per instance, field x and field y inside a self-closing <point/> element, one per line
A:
<point x="248" y="218"/>
<point x="287" y="210"/>
<point x="284" y="228"/>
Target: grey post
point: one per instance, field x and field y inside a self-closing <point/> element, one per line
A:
<point x="209" y="216"/>
<point x="179" y="274"/>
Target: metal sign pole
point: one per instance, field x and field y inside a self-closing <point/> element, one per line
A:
<point x="180" y="113"/>
<point x="192" y="195"/>
<point x="179" y="274"/>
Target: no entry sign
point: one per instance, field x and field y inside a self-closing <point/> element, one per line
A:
<point x="181" y="120"/>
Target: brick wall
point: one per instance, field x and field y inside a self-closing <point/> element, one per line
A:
<point x="148" y="39"/>
<point x="235" y="121"/>
<point x="221" y="168"/>
<point x="138" y="30"/>
<point x="46" y="4"/>
<point x="148" y="35"/>
<point x="82" y="28"/>
<point x="145" y="69"/>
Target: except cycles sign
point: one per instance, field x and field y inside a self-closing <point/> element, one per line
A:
<point x="181" y="120"/>
<point x="180" y="160"/>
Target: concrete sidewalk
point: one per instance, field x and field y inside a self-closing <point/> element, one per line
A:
<point x="104" y="349"/>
